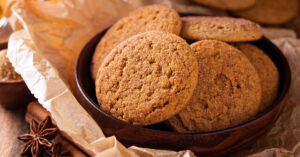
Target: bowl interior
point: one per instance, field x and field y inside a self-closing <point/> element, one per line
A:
<point x="86" y="85"/>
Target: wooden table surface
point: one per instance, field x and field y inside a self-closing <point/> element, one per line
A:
<point x="12" y="124"/>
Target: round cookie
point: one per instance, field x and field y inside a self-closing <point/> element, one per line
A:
<point x="270" y="11"/>
<point x="266" y="70"/>
<point x="228" y="92"/>
<point x="148" y="18"/>
<point x="220" y="28"/>
<point x="147" y="78"/>
<point x="227" y="4"/>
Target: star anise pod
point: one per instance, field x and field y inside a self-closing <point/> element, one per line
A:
<point x="39" y="137"/>
<point x="56" y="151"/>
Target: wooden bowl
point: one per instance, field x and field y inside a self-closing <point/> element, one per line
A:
<point x="213" y="143"/>
<point x="14" y="93"/>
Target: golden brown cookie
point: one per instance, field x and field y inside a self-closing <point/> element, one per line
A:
<point x="148" y="18"/>
<point x="270" y="11"/>
<point x="220" y="28"/>
<point x="148" y="78"/>
<point x="227" y="4"/>
<point x="266" y="70"/>
<point x="228" y="92"/>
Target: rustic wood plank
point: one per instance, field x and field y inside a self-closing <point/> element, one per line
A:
<point x="12" y="124"/>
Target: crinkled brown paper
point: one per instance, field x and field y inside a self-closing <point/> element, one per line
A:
<point x="55" y="31"/>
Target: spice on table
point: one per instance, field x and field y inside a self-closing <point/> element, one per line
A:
<point x="56" y="151"/>
<point x="39" y="138"/>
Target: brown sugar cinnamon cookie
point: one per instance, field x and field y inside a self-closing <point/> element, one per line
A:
<point x="266" y="70"/>
<point x="148" y="18"/>
<point x="147" y="78"/>
<point x="270" y="11"/>
<point x="228" y="90"/>
<point x="220" y="28"/>
<point x="227" y="4"/>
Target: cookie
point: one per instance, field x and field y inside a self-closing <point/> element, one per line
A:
<point x="148" y="78"/>
<point x="227" y="4"/>
<point x="220" y="28"/>
<point x="148" y="18"/>
<point x="266" y="70"/>
<point x="228" y="92"/>
<point x="270" y="11"/>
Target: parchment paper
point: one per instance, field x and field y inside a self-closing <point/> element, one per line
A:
<point x="55" y="31"/>
<point x="5" y="30"/>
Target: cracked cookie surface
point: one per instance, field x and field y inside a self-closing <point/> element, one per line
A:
<point x="219" y="28"/>
<point x="228" y="90"/>
<point x="270" y="11"/>
<point x="147" y="78"/>
<point x="148" y="18"/>
<point x="227" y="4"/>
<point x="267" y="72"/>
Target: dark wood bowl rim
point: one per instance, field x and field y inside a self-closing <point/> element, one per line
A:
<point x="12" y="82"/>
<point x="280" y="97"/>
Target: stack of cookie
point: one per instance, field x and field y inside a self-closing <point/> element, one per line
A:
<point x="268" y="12"/>
<point x="153" y="66"/>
